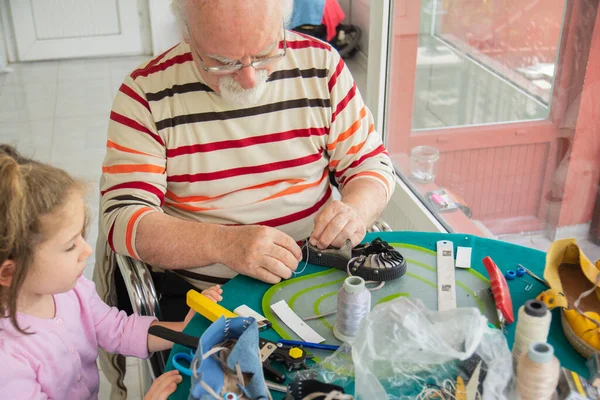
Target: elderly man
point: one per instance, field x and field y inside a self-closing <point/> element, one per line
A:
<point x="220" y="151"/>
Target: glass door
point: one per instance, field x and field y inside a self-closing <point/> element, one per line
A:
<point x="495" y="88"/>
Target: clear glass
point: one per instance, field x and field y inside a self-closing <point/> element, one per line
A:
<point x="507" y="91"/>
<point x="423" y="163"/>
<point x="485" y="61"/>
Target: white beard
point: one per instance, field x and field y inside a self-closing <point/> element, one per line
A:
<point x="233" y="93"/>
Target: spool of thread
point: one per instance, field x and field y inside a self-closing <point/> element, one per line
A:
<point x="354" y="302"/>
<point x="533" y="325"/>
<point x="537" y="372"/>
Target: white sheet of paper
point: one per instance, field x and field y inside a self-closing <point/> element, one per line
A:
<point x="463" y="257"/>
<point x="295" y="323"/>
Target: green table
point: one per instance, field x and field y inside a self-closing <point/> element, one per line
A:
<point x="244" y="290"/>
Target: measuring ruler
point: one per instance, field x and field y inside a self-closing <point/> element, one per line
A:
<point x="445" y="276"/>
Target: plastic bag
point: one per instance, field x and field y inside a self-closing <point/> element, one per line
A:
<point x="403" y="351"/>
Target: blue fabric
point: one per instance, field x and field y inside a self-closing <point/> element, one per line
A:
<point x="307" y="12"/>
<point x="244" y="353"/>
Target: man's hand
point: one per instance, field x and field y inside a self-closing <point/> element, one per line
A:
<point x="336" y="223"/>
<point x="164" y="386"/>
<point x="260" y="252"/>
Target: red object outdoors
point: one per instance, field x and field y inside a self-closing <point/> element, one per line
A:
<point x="500" y="290"/>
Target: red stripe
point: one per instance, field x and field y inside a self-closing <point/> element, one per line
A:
<point x="304" y="44"/>
<point x="255" y="169"/>
<point x="236" y="144"/>
<point x="138" y="186"/>
<point x="344" y="102"/>
<point x="110" y="237"/>
<point x="153" y="62"/>
<point x="135" y="125"/>
<point x="317" y="43"/>
<point x="129" y="92"/>
<point x="150" y="69"/>
<point x="356" y="163"/>
<point x="338" y="71"/>
<point x="288" y="219"/>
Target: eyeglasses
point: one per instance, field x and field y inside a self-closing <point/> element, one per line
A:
<point x="262" y="63"/>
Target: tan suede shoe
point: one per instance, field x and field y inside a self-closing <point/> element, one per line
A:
<point x="574" y="281"/>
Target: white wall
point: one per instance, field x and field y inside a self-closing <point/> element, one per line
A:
<point x="165" y="32"/>
<point x="358" y="13"/>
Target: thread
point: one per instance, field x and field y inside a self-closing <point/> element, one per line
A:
<point x="305" y="246"/>
<point x="537" y="372"/>
<point x="354" y="302"/>
<point x="533" y="325"/>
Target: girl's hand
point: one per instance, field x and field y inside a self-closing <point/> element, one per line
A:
<point x="164" y="386"/>
<point x="214" y="293"/>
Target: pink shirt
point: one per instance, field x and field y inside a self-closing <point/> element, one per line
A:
<point x="59" y="360"/>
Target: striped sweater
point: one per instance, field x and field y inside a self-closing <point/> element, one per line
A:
<point x="175" y="146"/>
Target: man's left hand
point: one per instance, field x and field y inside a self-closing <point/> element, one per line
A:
<point x="336" y="223"/>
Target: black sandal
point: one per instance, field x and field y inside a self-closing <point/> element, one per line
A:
<point x="374" y="261"/>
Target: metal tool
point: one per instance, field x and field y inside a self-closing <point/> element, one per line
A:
<point x="292" y="357"/>
<point x="534" y="276"/>
<point x="309" y="345"/>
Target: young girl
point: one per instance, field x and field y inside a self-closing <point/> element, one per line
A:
<point x="51" y="318"/>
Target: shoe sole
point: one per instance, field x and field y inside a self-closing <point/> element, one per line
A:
<point x="327" y="258"/>
<point x="578" y="344"/>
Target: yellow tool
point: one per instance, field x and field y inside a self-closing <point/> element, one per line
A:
<point x="461" y="392"/>
<point x="206" y="307"/>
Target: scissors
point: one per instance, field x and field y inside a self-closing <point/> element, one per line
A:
<point x="187" y="358"/>
<point x="180" y="338"/>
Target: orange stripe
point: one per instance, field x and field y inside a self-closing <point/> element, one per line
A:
<point x="129" y="231"/>
<point x="350" y="131"/>
<point x="128" y="168"/>
<point x="375" y="174"/>
<point x="188" y="207"/>
<point x="191" y="199"/>
<point x="113" y="145"/>
<point x="355" y="149"/>
<point x="298" y="188"/>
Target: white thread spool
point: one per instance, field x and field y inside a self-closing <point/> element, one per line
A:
<point x="533" y="325"/>
<point x="537" y="372"/>
<point x="354" y="302"/>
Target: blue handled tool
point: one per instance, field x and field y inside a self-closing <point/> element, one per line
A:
<point x="187" y="357"/>
<point x="309" y="345"/>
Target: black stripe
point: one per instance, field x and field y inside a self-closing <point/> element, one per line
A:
<point x="178" y="89"/>
<point x="244" y="112"/>
<point x="124" y="197"/>
<point x="295" y="73"/>
<point x="121" y="205"/>
<point x="201" y="277"/>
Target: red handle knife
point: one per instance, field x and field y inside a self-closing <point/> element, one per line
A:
<point x="500" y="291"/>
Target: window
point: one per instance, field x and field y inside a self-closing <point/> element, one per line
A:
<point x="508" y="93"/>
